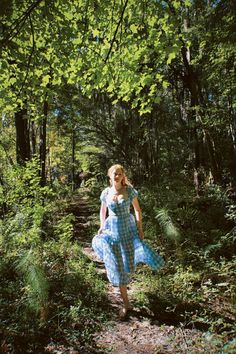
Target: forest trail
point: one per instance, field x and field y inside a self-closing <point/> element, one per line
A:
<point x="142" y="332"/>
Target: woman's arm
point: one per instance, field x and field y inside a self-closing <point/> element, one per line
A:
<point x="138" y="215"/>
<point x="103" y="213"/>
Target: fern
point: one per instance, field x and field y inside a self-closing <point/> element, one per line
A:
<point x="169" y="229"/>
<point x="35" y="281"/>
<point x="225" y="245"/>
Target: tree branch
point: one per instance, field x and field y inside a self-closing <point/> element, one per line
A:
<point x="117" y="27"/>
<point x="20" y="22"/>
<point x="30" y="56"/>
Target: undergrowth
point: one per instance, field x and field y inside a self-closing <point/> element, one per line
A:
<point x="196" y="288"/>
<point x="51" y="291"/>
<point x="48" y="287"/>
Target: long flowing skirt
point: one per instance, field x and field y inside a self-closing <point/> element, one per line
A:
<point x="121" y="255"/>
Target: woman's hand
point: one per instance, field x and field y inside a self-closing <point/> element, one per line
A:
<point x="100" y="231"/>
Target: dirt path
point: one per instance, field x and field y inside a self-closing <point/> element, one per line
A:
<point x="141" y="332"/>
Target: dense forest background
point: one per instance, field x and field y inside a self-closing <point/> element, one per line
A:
<point x="85" y="84"/>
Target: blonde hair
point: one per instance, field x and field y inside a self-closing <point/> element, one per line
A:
<point x="125" y="181"/>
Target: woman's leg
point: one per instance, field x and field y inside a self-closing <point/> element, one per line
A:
<point x="124" y="295"/>
<point x="127" y="306"/>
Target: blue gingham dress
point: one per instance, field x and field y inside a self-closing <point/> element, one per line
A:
<point x="119" y="245"/>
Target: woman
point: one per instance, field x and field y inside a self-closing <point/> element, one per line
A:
<point x="119" y="242"/>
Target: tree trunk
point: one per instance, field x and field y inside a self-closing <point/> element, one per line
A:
<point x="214" y="163"/>
<point x="33" y="138"/>
<point x="73" y="159"/>
<point x="43" y="144"/>
<point x="22" y="137"/>
<point x="191" y="83"/>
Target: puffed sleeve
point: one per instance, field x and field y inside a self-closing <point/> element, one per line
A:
<point x="103" y="195"/>
<point x="132" y="193"/>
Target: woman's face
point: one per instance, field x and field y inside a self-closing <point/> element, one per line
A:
<point x="117" y="176"/>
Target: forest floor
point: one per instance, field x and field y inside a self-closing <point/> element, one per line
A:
<point x="156" y="326"/>
<point x="142" y="332"/>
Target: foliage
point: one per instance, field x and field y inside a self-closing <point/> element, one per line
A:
<point x="190" y="297"/>
<point x="196" y="287"/>
<point x="169" y="229"/>
<point x="100" y="66"/>
<point x="22" y="186"/>
<point x="35" y="281"/>
<point x="43" y="272"/>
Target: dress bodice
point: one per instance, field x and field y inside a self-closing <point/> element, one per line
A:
<point x="118" y="208"/>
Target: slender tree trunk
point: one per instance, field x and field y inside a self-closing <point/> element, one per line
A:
<point x="232" y="154"/>
<point x="3" y="205"/>
<point x="232" y="131"/>
<point x="190" y="82"/>
<point x="33" y="138"/>
<point x="22" y="137"/>
<point x="214" y="163"/>
<point x="73" y="159"/>
<point x="43" y="143"/>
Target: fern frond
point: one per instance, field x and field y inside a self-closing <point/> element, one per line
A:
<point x="35" y="280"/>
<point x="169" y="229"/>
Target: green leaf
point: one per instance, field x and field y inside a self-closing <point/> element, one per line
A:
<point x="171" y="56"/>
<point x="187" y="3"/>
<point x="134" y="28"/>
<point x="45" y="80"/>
<point x="95" y="32"/>
<point x="68" y="15"/>
<point x="146" y="80"/>
<point x="165" y="84"/>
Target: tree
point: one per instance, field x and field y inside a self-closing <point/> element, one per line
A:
<point x="141" y="56"/>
